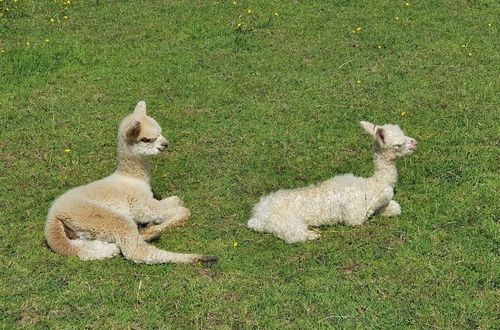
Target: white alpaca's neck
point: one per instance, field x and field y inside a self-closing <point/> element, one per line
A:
<point x="134" y="166"/>
<point x="385" y="169"/>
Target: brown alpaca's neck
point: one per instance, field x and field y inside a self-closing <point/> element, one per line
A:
<point x="133" y="166"/>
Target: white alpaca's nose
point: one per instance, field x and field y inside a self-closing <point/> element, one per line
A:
<point x="413" y="144"/>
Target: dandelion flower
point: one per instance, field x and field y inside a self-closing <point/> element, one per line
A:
<point x="65" y="17"/>
<point x="14" y="0"/>
<point x="469" y="54"/>
<point x="235" y="244"/>
<point x="240" y="24"/>
<point x="241" y="16"/>
<point x="6" y="9"/>
<point x="403" y="113"/>
<point x="407" y="4"/>
<point x="2" y="51"/>
<point x="68" y="2"/>
<point x="379" y="46"/>
<point x="359" y="82"/>
<point x="235" y="3"/>
<point x="58" y="21"/>
<point x="47" y="40"/>
<point x="67" y="150"/>
<point x="490" y="25"/>
<point x="397" y="18"/>
<point x="463" y="46"/>
<point x="276" y="14"/>
<point x="52" y="20"/>
<point x="359" y="28"/>
<point x="249" y="11"/>
<point x="28" y="43"/>
<point x="353" y="31"/>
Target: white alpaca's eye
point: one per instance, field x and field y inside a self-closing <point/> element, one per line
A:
<point x="399" y="146"/>
<point x="145" y="140"/>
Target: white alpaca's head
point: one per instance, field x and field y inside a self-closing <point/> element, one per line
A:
<point x="390" y="139"/>
<point x="140" y="134"/>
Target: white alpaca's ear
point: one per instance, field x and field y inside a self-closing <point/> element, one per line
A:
<point x="140" y="108"/>
<point x="380" y="135"/>
<point x="132" y="132"/>
<point x="369" y="127"/>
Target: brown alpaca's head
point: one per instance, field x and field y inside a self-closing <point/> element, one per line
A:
<point x="140" y="134"/>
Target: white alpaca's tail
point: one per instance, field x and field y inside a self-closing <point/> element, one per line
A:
<point x="256" y="224"/>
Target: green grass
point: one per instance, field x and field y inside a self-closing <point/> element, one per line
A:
<point x="272" y="105"/>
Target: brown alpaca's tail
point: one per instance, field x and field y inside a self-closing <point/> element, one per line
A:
<point x="58" y="237"/>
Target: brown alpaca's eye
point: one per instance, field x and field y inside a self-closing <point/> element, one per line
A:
<point x="145" y="140"/>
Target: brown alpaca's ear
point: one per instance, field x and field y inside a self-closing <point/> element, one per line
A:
<point x="132" y="132"/>
<point x="140" y="108"/>
<point x="380" y="135"/>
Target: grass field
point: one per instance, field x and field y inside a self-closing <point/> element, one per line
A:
<point x="272" y="103"/>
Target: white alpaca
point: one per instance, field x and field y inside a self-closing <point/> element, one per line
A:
<point x="341" y="199"/>
<point x="100" y="219"/>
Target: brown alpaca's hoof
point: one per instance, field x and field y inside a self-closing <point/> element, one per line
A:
<point x="208" y="259"/>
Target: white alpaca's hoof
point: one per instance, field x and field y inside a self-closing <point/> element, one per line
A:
<point x="312" y="235"/>
<point x="391" y="210"/>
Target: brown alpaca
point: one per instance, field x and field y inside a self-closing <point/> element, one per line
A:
<point x="98" y="220"/>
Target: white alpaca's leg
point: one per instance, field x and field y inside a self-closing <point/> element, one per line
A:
<point x="288" y="227"/>
<point x="391" y="210"/>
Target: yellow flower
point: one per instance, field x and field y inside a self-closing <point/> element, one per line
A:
<point x="276" y="14"/>
<point x="235" y="244"/>
<point x="353" y="31"/>
<point x="469" y="54"/>
<point x="65" y="17"/>
<point x="359" y="82"/>
<point x="379" y="46"/>
<point x="403" y="113"/>
<point x="359" y="28"/>
<point x="46" y="40"/>
<point x="463" y="46"/>
<point x="241" y="16"/>
<point x="249" y="11"/>
<point x="67" y="150"/>
<point x="490" y="25"/>
<point x="2" y="51"/>
<point x="235" y="3"/>
<point x="58" y="20"/>
<point x="28" y="43"/>
<point x="52" y="20"/>
<point x="407" y="4"/>
<point x="397" y="18"/>
<point x="68" y="2"/>
<point x="240" y="24"/>
<point x="14" y="0"/>
<point x="7" y="9"/>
